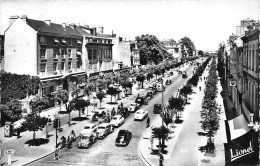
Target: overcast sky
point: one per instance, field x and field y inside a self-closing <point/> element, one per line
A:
<point x="206" y="22"/>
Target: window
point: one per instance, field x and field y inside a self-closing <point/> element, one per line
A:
<point x="56" y="41"/>
<point x="79" y="43"/>
<point x="43" y="40"/>
<point x="78" y="63"/>
<point x="42" y="67"/>
<point x="94" y="54"/>
<point x="63" y="42"/>
<point x="89" y="54"/>
<point x="253" y="60"/>
<point x="54" y="53"/>
<point x="69" y="42"/>
<point x="100" y="55"/>
<point x="94" y="40"/>
<point x="69" y="65"/>
<point x="62" y="53"/>
<point x="105" y="54"/>
<point x="62" y="67"/>
<point x="42" y="53"/>
<point x="54" y="66"/>
<point x="69" y="53"/>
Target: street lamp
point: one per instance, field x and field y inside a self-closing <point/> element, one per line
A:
<point x="56" y="125"/>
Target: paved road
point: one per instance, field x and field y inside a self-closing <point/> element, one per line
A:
<point x="104" y="152"/>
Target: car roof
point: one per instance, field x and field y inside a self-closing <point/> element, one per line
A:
<point x="90" y="124"/>
<point x="117" y="115"/>
<point x="104" y="124"/>
<point x="157" y="104"/>
<point x="140" y="110"/>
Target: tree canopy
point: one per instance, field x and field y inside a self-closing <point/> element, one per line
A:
<point x="187" y="44"/>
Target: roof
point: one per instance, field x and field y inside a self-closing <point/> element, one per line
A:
<point x="53" y="28"/>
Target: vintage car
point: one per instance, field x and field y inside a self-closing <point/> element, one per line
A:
<point x="184" y="74"/>
<point x="117" y="120"/>
<point x="168" y="82"/>
<point x="140" y="101"/>
<point x="149" y="95"/>
<point x="123" y="137"/>
<point x="140" y="114"/>
<point x="89" y="128"/>
<point x="133" y="107"/>
<point x="123" y="111"/>
<point x="157" y="108"/>
<point x="86" y="140"/>
<point x="104" y="129"/>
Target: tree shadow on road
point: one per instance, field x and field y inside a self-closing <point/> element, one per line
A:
<point x="201" y="133"/>
<point x="79" y="119"/>
<point x="37" y="142"/>
<point x="178" y="121"/>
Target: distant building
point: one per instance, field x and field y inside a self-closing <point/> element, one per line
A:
<point x="121" y="53"/>
<point x="135" y="55"/>
<point x="173" y="48"/>
<point x="240" y="30"/>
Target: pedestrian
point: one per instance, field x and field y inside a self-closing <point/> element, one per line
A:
<point x="204" y="78"/>
<point x="200" y="88"/>
<point x="18" y="132"/>
<point x="83" y="111"/>
<point x="56" y="154"/>
<point x="161" y="159"/>
<point x="49" y="120"/>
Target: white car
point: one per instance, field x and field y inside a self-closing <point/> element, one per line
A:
<point x="89" y="128"/>
<point x="117" y="120"/>
<point x="133" y="107"/>
<point x="140" y="114"/>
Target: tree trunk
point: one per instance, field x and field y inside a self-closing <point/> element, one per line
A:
<point x="60" y="107"/>
<point x="69" y="119"/>
<point x="111" y="98"/>
<point x="46" y="130"/>
<point x="79" y="113"/>
<point x="99" y="103"/>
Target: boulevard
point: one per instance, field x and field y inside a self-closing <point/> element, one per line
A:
<point x="104" y="152"/>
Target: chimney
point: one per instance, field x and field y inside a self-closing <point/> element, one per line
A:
<point x="93" y="31"/>
<point x="47" y="22"/>
<point x="24" y="18"/>
<point x="73" y="25"/>
<point x="64" y="25"/>
<point x="101" y="29"/>
<point x="12" y="19"/>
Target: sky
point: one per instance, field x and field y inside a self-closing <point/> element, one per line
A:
<point x="206" y="22"/>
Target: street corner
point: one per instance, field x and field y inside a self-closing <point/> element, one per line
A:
<point x="145" y="151"/>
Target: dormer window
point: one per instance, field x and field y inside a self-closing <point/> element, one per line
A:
<point x="63" y="42"/>
<point x="43" y="40"/>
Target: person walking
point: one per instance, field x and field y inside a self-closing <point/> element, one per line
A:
<point x="161" y="159"/>
<point x="200" y="87"/>
<point x="148" y="122"/>
<point x="56" y="154"/>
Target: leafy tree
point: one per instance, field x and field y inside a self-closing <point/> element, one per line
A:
<point x="62" y="97"/>
<point x="112" y="91"/>
<point x="130" y="85"/>
<point x="157" y="72"/>
<point x="176" y="104"/>
<point x="186" y="90"/>
<point x="78" y="104"/>
<point x="101" y="84"/>
<point x="186" y="43"/>
<point x="149" y="76"/>
<point x="140" y="77"/>
<point x="100" y="95"/>
<point x="161" y="134"/>
<point x="33" y="121"/>
<point x="201" y="53"/>
<point x="12" y="109"/>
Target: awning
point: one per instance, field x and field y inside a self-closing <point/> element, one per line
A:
<point x="79" y="42"/>
<point x="78" y="53"/>
<point x="56" y="40"/>
<point x="63" y="41"/>
<point x="238" y="127"/>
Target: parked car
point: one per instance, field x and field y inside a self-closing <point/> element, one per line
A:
<point x="104" y="129"/>
<point x="117" y="120"/>
<point x="149" y="95"/>
<point x="140" y="114"/>
<point x="133" y="107"/>
<point x="123" y="137"/>
<point x="123" y="111"/>
<point x="140" y="101"/>
<point x="160" y="87"/>
<point x="171" y="73"/>
<point x="184" y="74"/>
<point x="86" y="140"/>
<point x="168" y="82"/>
<point x="157" y="108"/>
<point x="89" y="128"/>
<point x="101" y="111"/>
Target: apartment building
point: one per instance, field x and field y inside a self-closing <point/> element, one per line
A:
<point x="135" y="55"/>
<point x="45" y="49"/>
<point x="173" y="48"/>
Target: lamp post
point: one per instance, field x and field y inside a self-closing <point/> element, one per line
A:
<point x="162" y="116"/>
<point x="56" y="125"/>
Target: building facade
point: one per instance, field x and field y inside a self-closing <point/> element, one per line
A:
<point x="135" y="55"/>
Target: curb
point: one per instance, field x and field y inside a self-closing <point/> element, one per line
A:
<point x="38" y="158"/>
<point x="144" y="158"/>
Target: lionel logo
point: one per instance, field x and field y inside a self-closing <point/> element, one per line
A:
<point x="236" y="154"/>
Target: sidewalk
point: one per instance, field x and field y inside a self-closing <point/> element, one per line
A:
<point x="25" y="154"/>
<point x="220" y="138"/>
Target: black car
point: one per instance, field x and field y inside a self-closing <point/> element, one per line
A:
<point x="149" y="95"/>
<point x="123" y="137"/>
<point x="168" y="82"/>
<point x="171" y="73"/>
<point x="123" y="111"/>
<point x="184" y="74"/>
<point x="140" y="101"/>
<point x="157" y="108"/>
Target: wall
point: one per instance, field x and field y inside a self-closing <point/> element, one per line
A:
<point x="20" y="49"/>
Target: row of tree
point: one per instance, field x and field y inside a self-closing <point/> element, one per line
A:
<point x="209" y="113"/>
